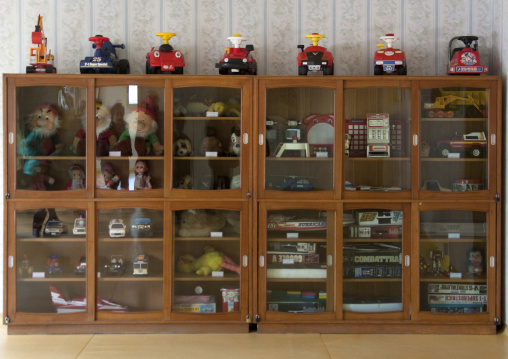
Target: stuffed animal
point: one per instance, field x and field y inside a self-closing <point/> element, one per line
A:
<point x="234" y="144"/>
<point x="77" y="176"/>
<point x="230" y="109"/>
<point x="182" y="147"/>
<point x="185" y="182"/>
<point x="210" y="261"/>
<point x="235" y="182"/>
<point x="140" y="135"/>
<point x="200" y="222"/>
<point x="211" y="143"/>
<point x="474" y="261"/>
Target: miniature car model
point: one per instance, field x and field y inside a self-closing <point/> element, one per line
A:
<point x="54" y="227"/>
<point x="116" y="228"/>
<point x="475" y="143"/>
<point x="81" y="266"/>
<point x="389" y="60"/>
<point x="314" y="58"/>
<point x="453" y="106"/>
<point x="40" y="62"/>
<point x="141" y="226"/>
<point x="116" y="266"/>
<point x="140" y="265"/>
<point x="165" y="59"/>
<point x="105" y="59"/>
<point x="79" y="226"/>
<point x="237" y="60"/>
<point x="465" y="60"/>
<point x="292" y="184"/>
<point x="281" y="222"/>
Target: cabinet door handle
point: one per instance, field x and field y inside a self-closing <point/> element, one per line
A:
<point x="329" y="260"/>
<point x="245" y="261"/>
<point x="260" y="139"/>
<point x="493" y="139"/>
<point x="415" y="140"/>
<point x="407" y="260"/>
<point x="245" y="138"/>
<point x="492" y="262"/>
<point x="261" y="261"/>
<point x="10" y="262"/>
<point x="11" y="138"/>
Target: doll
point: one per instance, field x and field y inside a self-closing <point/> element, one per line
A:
<point x="107" y="179"/>
<point x="77" y="176"/>
<point x="140" y="136"/>
<point x="43" y="139"/>
<point x="142" y="179"/>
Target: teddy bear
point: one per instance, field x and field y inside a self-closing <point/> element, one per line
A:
<point x="474" y="261"/>
<point x="182" y="147"/>
<point x="200" y="222"/>
<point x="234" y="144"/>
<point x="210" y="261"/>
<point x="211" y="143"/>
<point x="185" y="182"/>
<point x="77" y="176"/>
<point x="140" y="136"/>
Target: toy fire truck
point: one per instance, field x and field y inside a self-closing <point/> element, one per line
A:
<point x="378" y="135"/>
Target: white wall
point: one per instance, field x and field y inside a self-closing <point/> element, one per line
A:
<point x="275" y="27"/>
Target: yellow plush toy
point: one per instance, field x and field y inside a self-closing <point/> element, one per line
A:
<point x="211" y="261"/>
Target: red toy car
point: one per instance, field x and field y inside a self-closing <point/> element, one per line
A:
<point x="389" y="60"/>
<point x="314" y="58"/>
<point x="165" y="59"/>
<point x="465" y="60"/>
<point x="475" y="143"/>
<point x="237" y="60"/>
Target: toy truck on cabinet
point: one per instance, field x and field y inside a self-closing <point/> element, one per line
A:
<point x="40" y="62"/>
<point x="105" y="59"/>
<point x="314" y="58"/>
<point x="465" y="60"/>
<point x="164" y="59"/>
<point x="237" y="60"/>
<point x="389" y="60"/>
<point x="474" y="143"/>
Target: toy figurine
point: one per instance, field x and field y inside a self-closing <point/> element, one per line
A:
<point x="389" y="60"/>
<point x="77" y="176"/>
<point x="26" y="268"/>
<point x="474" y="261"/>
<point x="140" y="136"/>
<point x="142" y="179"/>
<point x="436" y="256"/>
<point x="52" y="265"/>
<point x="237" y="60"/>
<point x="107" y="179"/>
<point x="165" y="59"/>
<point x="234" y="145"/>
<point x="314" y="58"/>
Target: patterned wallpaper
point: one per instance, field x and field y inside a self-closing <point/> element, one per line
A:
<point x="274" y="27"/>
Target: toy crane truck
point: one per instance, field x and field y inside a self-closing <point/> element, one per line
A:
<point x="40" y="62"/>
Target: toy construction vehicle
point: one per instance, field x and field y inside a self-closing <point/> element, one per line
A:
<point x="465" y="60"/>
<point x="40" y="62"/>
<point x="452" y="106"/>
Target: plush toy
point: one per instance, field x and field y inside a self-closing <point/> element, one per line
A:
<point x="230" y="109"/>
<point x="140" y="135"/>
<point x="142" y="179"/>
<point x="474" y="261"/>
<point x="182" y="147"/>
<point x="107" y="179"/>
<point x="235" y="182"/>
<point x="77" y="176"/>
<point x="211" y="143"/>
<point x="234" y="144"/>
<point x="200" y="222"/>
<point x="185" y="182"/>
<point x="210" y="261"/>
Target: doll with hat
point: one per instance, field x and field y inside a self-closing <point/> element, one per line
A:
<point x="107" y="179"/>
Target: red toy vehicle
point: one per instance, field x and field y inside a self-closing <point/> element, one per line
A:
<point x="389" y="60"/>
<point x="165" y="59"/>
<point x="39" y="61"/>
<point x="315" y="58"/>
<point x="465" y="60"/>
<point x="237" y="60"/>
<point x="475" y="143"/>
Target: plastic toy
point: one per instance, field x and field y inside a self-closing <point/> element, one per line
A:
<point x="54" y="227"/>
<point x="116" y="266"/>
<point x="434" y="185"/>
<point x="140" y="136"/>
<point x="474" y="143"/>
<point x="140" y="265"/>
<point x="141" y="226"/>
<point x="52" y="265"/>
<point x="79" y="304"/>
<point x="234" y="144"/>
<point x="237" y="60"/>
<point x="210" y="261"/>
<point x="211" y="143"/>
<point x="281" y="222"/>
<point x="389" y="60"/>
<point x="292" y="183"/>
<point x="182" y="147"/>
<point x="453" y="106"/>
<point x="25" y="269"/>
<point x="474" y="261"/>
<point x="465" y="60"/>
<point x="107" y="179"/>
<point x="105" y="59"/>
<point x="116" y="228"/>
<point x="141" y="179"/>
<point x="314" y="58"/>
<point x="320" y="134"/>
<point x="40" y="62"/>
<point x="81" y="266"/>
<point x="79" y="226"/>
<point x="165" y="59"/>
<point x="200" y="222"/>
<point x="292" y="141"/>
<point x="77" y="176"/>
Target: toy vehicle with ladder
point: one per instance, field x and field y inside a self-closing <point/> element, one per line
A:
<point x="40" y="62"/>
<point x="237" y="60"/>
<point x="105" y="59"/>
<point x="314" y="58"/>
<point x="465" y="60"/>
<point x="165" y="59"/>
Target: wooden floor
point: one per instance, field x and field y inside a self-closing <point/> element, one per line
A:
<point x="253" y="345"/>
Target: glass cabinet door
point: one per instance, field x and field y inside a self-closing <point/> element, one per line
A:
<point x="373" y="260"/>
<point x="455" y="137"/>
<point x="377" y="134"/>
<point x="51" y="260"/>
<point x="130" y="260"/>
<point x="129" y="123"/>
<point x="455" y="267"/>
<point x="47" y="120"/>
<point x="209" y="263"/>
<point x="297" y="261"/>
<point x="298" y="141"/>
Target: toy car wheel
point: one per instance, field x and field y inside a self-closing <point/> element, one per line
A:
<point x="30" y="69"/>
<point x="402" y="70"/>
<point x="328" y="70"/>
<point x="444" y="151"/>
<point x="378" y="70"/>
<point x="151" y="69"/>
<point x="49" y="69"/>
<point x="302" y="70"/>
<point x="476" y="151"/>
<point x="123" y="66"/>
<point x="179" y="70"/>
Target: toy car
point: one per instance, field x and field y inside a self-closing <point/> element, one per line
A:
<point x="165" y="59"/>
<point x="105" y="59"/>
<point x="116" y="266"/>
<point x="140" y="265"/>
<point x="475" y="143"/>
<point x="281" y="222"/>
<point x="116" y="228"/>
<point x="314" y="58"/>
<point x="453" y="106"/>
<point x="389" y="60"/>
<point x="141" y="226"/>
<point x="465" y="60"/>
<point x="237" y="60"/>
<point x="40" y="62"/>
<point x="54" y="227"/>
<point x="81" y="266"/>
<point x="79" y="226"/>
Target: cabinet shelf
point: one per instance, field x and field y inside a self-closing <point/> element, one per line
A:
<point x="129" y="158"/>
<point x="124" y="239"/>
<point x="453" y="240"/>
<point x="359" y="159"/>
<point x="185" y="239"/>
<point x="371" y="280"/>
<point x="229" y="277"/>
<point x="53" y="279"/>
<point x="131" y="278"/>
<point x="296" y="280"/>
<point x="461" y="159"/>
<point x="449" y="119"/>
<point x="53" y="158"/>
<point x="201" y="118"/>
<point x="467" y="278"/>
<point x="51" y="240"/>
<point x="299" y="239"/>
<point x="313" y="159"/>
<point x="204" y="158"/>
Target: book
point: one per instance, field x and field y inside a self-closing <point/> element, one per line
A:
<point x="457" y="299"/>
<point x="454" y="288"/>
<point x="291" y="257"/>
<point x="296" y="271"/>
